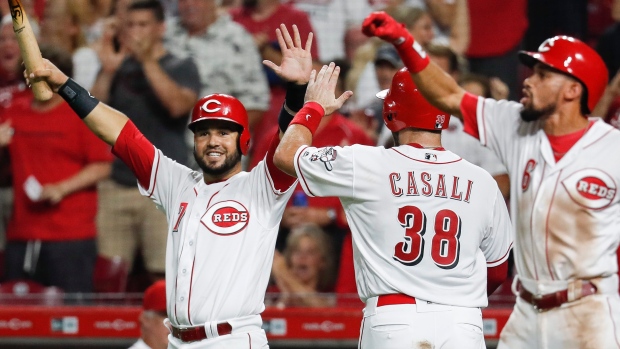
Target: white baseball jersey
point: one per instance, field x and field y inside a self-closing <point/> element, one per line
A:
<point x="425" y="223"/>
<point x="221" y="240"/>
<point x="456" y="140"/>
<point x="566" y="214"/>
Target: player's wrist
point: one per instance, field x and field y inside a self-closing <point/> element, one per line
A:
<point x="78" y="98"/>
<point x="309" y="116"/>
<point x="412" y="54"/>
<point x="293" y="102"/>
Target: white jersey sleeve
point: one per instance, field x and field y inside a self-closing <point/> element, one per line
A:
<point x="321" y="162"/>
<point x="499" y="126"/>
<point x="168" y="178"/>
<point x="496" y="244"/>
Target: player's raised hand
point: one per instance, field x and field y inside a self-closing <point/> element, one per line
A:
<point x="382" y="25"/>
<point x="322" y="87"/>
<point x="50" y="74"/>
<point x="296" y="59"/>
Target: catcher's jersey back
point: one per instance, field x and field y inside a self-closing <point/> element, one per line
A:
<point x="425" y="222"/>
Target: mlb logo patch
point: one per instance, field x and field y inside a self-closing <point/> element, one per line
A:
<point x="430" y="157"/>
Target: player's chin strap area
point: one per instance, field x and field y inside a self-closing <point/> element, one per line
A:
<point x="555" y="294"/>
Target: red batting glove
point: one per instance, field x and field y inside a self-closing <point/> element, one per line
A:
<point x="380" y="24"/>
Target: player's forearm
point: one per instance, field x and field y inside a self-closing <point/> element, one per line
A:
<point x="178" y="100"/>
<point x="106" y="122"/>
<point x="295" y="137"/>
<point x="90" y="175"/>
<point x="440" y="89"/>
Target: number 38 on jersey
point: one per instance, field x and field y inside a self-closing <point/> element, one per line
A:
<point x="444" y="245"/>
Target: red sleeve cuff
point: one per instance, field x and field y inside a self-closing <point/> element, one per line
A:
<point x="136" y="152"/>
<point x="469" y="104"/>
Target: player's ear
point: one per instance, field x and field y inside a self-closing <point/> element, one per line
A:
<point x="573" y="90"/>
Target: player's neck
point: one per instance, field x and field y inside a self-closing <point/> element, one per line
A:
<point x="426" y="139"/>
<point x="566" y="119"/>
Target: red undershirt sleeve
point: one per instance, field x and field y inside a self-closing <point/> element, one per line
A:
<point x="469" y="104"/>
<point x="496" y="276"/>
<point x="281" y="180"/>
<point x="135" y="151"/>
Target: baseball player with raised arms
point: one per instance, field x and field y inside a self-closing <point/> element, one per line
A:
<point x="222" y="222"/>
<point x="427" y="225"/>
<point x="564" y="184"/>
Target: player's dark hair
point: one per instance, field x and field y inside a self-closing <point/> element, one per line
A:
<point x="154" y="5"/>
<point x="60" y="58"/>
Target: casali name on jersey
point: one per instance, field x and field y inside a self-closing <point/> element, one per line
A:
<point x="438" y="185"/>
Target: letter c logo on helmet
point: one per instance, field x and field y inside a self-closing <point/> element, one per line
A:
<point x="206" y="108"/>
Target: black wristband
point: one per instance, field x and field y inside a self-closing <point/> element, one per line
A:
<point x="78" y="98"/>
<point x="294" y="101"/>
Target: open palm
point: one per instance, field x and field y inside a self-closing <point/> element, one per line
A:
<point x="296" y="62"/>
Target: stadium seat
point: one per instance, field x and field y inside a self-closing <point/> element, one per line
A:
<point x="110" y="275"/>
<point x="28" y="292"/>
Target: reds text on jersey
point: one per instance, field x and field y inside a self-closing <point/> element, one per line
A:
<point x="566" y="213"/>
<point x="425" y="223"/>
<point x="221" y="240"/>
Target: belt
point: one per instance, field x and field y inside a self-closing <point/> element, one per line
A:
<point x="394" y="299"/>
<point x="556" y="299"/>
<point x="198" y="333"/>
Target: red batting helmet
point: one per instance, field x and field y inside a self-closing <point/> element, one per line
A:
<point x="404" y="106"/>
<point x="574" y="58"/>
<point x="219" y="106"/>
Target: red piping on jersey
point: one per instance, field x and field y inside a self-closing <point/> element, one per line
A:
<point x="155" y="177"/>
<point x="362" y="333"/>
<point x="195" y="191"/>
<point x="250" y="340"/>
<point x="189" y="297"/>
<point x="547" y="225"/>
<point x="504" y="256"/>
<point x="426" y="162"/>
<point x="613" y="322"/>
<point x="532" y="220"/>
<point x="301" y="174"/>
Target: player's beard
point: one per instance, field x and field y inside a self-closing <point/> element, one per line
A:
<point x="230" y="162"/>
<point x="529" y="114"/>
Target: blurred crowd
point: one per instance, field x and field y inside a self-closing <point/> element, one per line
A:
<point x="65" y="200"/>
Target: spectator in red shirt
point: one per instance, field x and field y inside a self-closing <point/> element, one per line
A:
<point x="56" y="164"/>
<point x="12" y="90"/>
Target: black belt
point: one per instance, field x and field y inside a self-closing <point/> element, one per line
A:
<point x="198" y="333"/>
